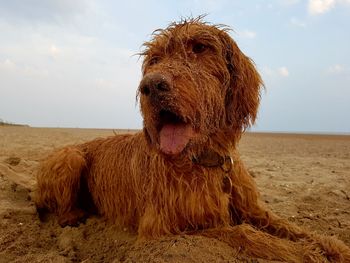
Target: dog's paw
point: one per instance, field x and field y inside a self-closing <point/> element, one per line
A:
<point x="72" y="218"/>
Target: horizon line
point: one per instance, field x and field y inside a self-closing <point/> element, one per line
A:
<point x="250" y="130"/>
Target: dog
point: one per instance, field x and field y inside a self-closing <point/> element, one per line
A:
<point x="182" y="173"/>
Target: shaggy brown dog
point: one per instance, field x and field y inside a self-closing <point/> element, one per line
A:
<point x="182" y="173"/>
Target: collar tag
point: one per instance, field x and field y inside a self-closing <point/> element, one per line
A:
<point x="228" y="164"/>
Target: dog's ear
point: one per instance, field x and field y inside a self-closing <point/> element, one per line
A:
<point x="243" y="91"/>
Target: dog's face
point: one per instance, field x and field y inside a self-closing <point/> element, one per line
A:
<point x="196" y="83"/>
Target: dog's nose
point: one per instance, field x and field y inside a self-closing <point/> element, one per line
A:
<point x="154" y="83"/>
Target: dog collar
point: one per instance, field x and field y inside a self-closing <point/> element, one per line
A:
<point x="211" y="158"/>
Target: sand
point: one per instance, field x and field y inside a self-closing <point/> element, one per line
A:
<point x="305" y="178"/>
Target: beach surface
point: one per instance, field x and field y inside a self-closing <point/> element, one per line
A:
<point x="305" y="178"/>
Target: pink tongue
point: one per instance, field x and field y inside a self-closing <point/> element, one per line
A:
<point x="174" y="137"/>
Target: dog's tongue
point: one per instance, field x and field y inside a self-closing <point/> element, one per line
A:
<point x="174" y="137"/>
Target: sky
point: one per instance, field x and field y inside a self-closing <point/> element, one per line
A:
<point x="74" y="63"/>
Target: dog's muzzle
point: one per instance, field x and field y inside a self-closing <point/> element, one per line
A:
<point x="154" y="85"/>
<point x="174" y="132"/>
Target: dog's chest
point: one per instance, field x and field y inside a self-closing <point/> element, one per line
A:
<point x="197" y="200"/>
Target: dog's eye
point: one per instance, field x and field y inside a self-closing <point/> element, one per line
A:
<point x="153" y="61"/>
<point x="199" y="48"/>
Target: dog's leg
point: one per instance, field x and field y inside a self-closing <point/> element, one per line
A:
<point x="246" y="205"/>
<point x="330" y="247"/>
<point x="58" y="183"/>
<point x="254" y="243"/>
<point x="244" y="238"/>
<point x="153" y="224"/>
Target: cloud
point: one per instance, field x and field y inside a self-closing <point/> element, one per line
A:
<point x="104" y="83"/>
<point x="50" y="65"/>
<point x="317" y="7"/>
<point x="296" y="22"/>
<point x="247" y="34"/>
<point x="54" y="51"/>
<point x="49" y="11"/>
<point x="281" y="71"/>
<point x="34" y="73"/>
<point x="336" y="69"/>
<point x="20" y="70"/>
<point x="7" y="65"/>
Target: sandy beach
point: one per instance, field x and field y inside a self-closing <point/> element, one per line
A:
<point x="305" y="178"/>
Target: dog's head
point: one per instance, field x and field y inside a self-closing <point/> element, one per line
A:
<point x="196" y="83"/>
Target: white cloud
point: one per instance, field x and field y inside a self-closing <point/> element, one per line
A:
<point x="54" y="51"/>
<point x="104" y="83"/>
<point x="34" y="72"/>
<point x="344" y="1"/>
<point x="337" y="69"/>
<point x="48" y="65"/>
<point x="317" y="7"/>
<point x="283" y="71"/>
<point x="320" y="6"/>
<point x="48" y="11"/>
<point x="7" y="65"/>
<point x="296" y="22"/>
<point x="247" y="34"/>
<point x="20" y="70"/>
